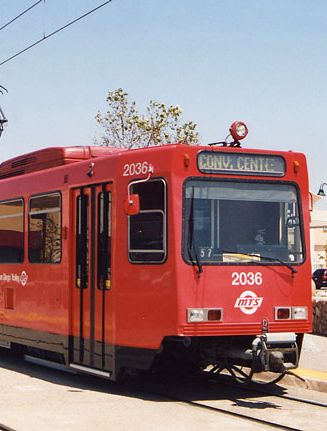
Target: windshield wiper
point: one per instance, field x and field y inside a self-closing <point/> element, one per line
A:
<point x="191" y="246"/>
<point x="272" y="259"/>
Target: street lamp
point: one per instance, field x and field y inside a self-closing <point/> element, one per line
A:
<point x="321" y="189"/>
<point x="3" y="120"/>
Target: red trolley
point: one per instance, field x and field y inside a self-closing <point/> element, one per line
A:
<point x="193" y="256"/>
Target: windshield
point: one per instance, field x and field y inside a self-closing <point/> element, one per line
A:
<point x="227" y="221"/>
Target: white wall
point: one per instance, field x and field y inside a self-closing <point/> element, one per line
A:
<point x="318" y="238"/>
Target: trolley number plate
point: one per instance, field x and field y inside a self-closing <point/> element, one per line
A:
<point x="246" y="278"/>
<point x="139" y="168"/>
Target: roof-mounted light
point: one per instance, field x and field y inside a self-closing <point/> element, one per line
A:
<point x="238" y="130"/>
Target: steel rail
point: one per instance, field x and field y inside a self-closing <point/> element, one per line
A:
<point x="257" y="388"/>
<point x="199" y="405"/>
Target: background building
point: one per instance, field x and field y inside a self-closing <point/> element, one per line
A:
<point x="318" y="236"/>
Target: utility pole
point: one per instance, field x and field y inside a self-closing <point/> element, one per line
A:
<point x="3" y="119"/>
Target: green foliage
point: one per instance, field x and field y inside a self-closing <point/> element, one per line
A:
<point x="124" y="127"/>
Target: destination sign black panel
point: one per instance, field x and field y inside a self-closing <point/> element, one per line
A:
<point x="241" y="164"/>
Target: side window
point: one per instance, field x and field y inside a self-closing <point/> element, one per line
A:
<point x="44" y="229"/>
<point x="147" y="230"/>
<point x="12" y="231"/>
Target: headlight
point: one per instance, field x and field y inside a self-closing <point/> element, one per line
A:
<point x="195" y="315"/>
<point x="204" y="315"/>
<point x="299" y="313"/>
<point x="291" y="313"/>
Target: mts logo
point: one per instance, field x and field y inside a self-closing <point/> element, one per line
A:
<point x="248" y="302"/>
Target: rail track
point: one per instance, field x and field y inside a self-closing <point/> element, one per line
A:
<point x="273" y="390"/>
<point x="285" y="412"/>
<point x="204" y="406"/>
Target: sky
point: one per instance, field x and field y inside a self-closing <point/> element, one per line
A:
<point x="260" y="61"/>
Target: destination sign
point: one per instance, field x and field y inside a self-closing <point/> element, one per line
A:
<point x="241" y="164"/>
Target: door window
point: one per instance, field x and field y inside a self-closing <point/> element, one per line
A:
<point x="104" y="240"/>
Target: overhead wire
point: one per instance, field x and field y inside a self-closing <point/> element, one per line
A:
<point x="45" y="37"/>
<point x="21" y="14"/>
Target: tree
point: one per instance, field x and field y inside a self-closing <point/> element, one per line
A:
<point x="124" y="127"/>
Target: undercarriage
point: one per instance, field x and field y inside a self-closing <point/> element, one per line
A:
<point x="240" y="356"/>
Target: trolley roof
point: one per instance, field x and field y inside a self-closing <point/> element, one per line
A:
<point x="51" y="157"/>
